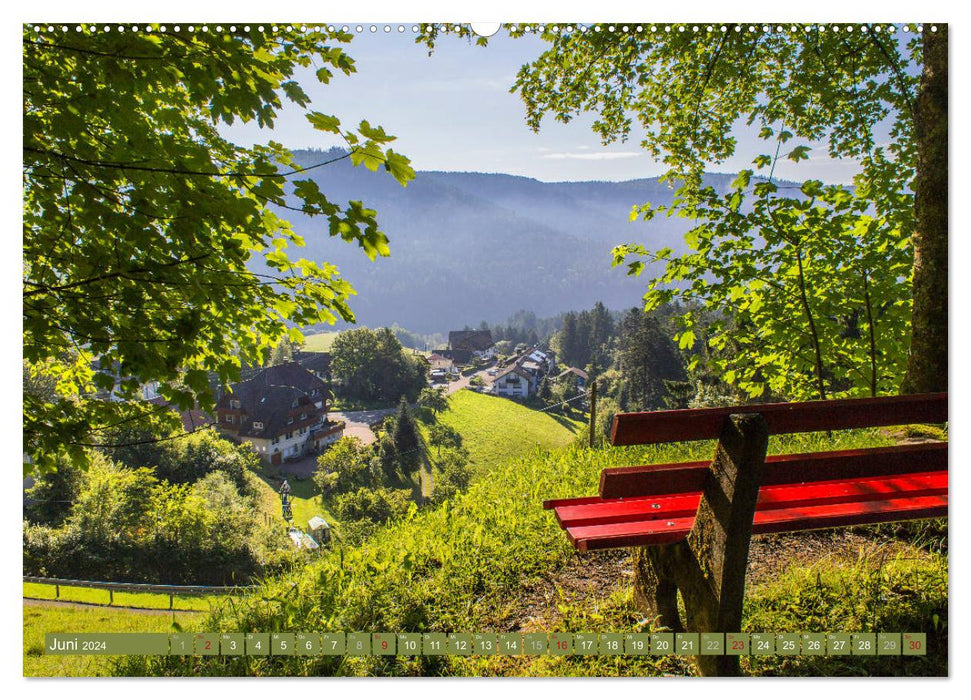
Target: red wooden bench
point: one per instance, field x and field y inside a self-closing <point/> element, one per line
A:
<point x="693" y="521"/>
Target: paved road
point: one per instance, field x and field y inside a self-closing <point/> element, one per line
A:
<point x="358" y="422"/>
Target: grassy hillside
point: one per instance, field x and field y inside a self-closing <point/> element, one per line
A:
<point x="40" y="620"/>
<point x="472" y="563"/>
<point x="319" y="342"/>
<point x="495" y="430"/>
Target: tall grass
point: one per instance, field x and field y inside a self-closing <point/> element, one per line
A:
<point x="450" y="569"/>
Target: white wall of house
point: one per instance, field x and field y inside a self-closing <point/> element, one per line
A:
<point x="294" y="445"/>
<point x="505" y="387"/>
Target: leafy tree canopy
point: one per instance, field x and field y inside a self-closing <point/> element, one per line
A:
<point x="815" y="278"/>
<point x="140" y="217"/>
<point x="798" y="87"/>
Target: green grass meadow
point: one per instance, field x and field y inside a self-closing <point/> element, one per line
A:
<point x="98" y="596"/>
<point x="496" y="430"/>
<point x="320" y="342"/>
<point x="40" y="620"/>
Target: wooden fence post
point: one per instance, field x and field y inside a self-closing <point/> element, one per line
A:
<point x="593" y="410"/>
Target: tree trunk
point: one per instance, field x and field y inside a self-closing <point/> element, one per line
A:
<point x="927" y="364"/>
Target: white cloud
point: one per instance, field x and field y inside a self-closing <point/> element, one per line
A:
<point x="592" y="156"/>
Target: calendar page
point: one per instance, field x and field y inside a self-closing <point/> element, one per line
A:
<point x="546" y="348"/>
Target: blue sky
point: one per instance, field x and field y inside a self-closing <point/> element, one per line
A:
<point x="453" y="111"/>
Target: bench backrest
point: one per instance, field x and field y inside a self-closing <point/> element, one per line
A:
<point x="780" y="470"/>
<point x="656" y="427"/>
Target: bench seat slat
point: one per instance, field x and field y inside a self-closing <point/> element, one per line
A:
<point x="664" y="479"/>
<point x="655" y="427"/>
<point x="585" y="512"/>
<point x="611" y="523"/>
<point x="654" y="532"/>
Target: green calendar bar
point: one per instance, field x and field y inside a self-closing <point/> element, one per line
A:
<point x="534" y="643"/>
<point x="737" y="644"/>
<point x="486" y="644"/>
<point x="813" y="643"/>
<point x="611" y="644"/>
<point x="787" y="644"/>
<point x="460" y="644"/>
<point x="511" y="644"/>
<point x="232" y="644"/>
<point x="662" y="643"/>
<point x="308" y="644"/>
<point x="333" y="644"/>
<point x="180" y="644"/>
<point x="257" y="644"/>
<point x="712" y="643"/>
<point x="585" y="644"/>
<point x="145" y="643"/>
<point x="409" y="644"/>
<point x="207" y="644"/>
<point x="864" y="644"/>
<point x="358" y="644"/>
<point x="838" y="644"/>
<point x="915" y="644"/>
<point x="762" y="644"/>
<point x="384" y="643"/>
<point x="434" y="644"/>
<point x="687" y="644"/>
<point x="888" y="643"/>
<point x="637" y="644"/>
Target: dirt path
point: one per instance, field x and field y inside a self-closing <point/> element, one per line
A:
<point x="590" y="579"/>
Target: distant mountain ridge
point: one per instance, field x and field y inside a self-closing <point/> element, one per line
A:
<point x="467" y="247"/>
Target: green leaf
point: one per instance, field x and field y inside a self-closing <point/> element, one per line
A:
<point x="799" y="153"/>
<point x="399" y="167"/>
<point x="324" y="122"/>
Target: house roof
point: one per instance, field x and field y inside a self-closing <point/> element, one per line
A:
<point x="509" y="370"/>
<point x="317" y="362"/>
<point x="273" y="396"/>
<point x="573" y="370"/>
<point x="470" y="340"/>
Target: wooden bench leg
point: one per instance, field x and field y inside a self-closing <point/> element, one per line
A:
<point x="655" y="591"/>
<point x="709" y="566"/>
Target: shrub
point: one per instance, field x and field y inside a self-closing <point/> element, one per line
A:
<point x="377" y="505"/>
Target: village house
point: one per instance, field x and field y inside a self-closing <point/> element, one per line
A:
<point x="317" y="363"/>
<point x="522" y="376"/>
<point x="281" y="412"/>
<point x="440" y="362"/>
<point x="581" y="376"/>
<point x="466" y="346"/>
<point x="514" y="381"/>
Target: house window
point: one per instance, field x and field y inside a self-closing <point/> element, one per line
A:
<point x="303" y="416"/>
<point x="234" y="403"/>
<point x="288" y="436"/>
<point x="275" y="441"/>
<point x="230" y="418"/>
<point x="289" y="420"/>
<point x="257" y="425"/>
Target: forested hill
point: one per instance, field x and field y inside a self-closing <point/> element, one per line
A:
<point x="467" y="247"/>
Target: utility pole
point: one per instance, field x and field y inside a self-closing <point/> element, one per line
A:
<point x="593" y="409"/>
